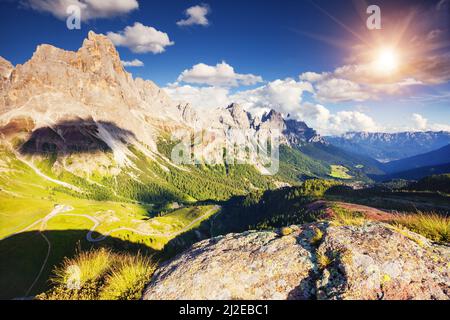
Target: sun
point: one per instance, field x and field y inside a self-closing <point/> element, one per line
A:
<point x="386" y="60"/>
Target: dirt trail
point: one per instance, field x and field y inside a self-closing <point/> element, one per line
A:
<point x="60" y="210"/>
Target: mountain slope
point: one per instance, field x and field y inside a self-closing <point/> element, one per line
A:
<point x="433" y="158"/>
<point x="415" y="174"/>
<point x="358" y="165"/>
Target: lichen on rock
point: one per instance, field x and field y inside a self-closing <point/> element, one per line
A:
<point x="372" y="261"/>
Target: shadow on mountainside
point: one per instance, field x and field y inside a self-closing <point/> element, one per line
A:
<point x="74" y="136"/>
<point x="23" y="255"/>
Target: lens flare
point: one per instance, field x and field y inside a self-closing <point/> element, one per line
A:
<point x="386" y="60"/>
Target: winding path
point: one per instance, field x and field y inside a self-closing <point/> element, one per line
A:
<point x="166" y="235"/>
<point x="60" y="210"/>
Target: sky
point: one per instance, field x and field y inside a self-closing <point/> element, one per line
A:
<point x="312" y="60"/>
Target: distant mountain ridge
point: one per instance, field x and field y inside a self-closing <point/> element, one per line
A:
<point x="387" y="147"/>
<point x="433" y="158"/>
<point x="419" y="173"/>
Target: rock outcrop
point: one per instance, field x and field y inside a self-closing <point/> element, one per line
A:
<point x="316" y="261"/>
<point x="5" y="69"/>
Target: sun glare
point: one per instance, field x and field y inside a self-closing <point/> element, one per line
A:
<point x="386" y="60"/>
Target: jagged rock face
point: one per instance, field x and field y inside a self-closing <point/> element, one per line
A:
<point x="372" y="261"/>
<point x="294" y="132"/>
<point x="56" y="85"/>
<point x="5" y="69"/>
<point x="298" y="133"/>
<point x="272" y="120"/>
<point x="188" y="113"/>
<point x="240" y="117"/>
<point x="5" y="72"/>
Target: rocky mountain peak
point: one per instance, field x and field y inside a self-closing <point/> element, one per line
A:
<point x="91" y="83"/>
<point x="272" y="116"/>
<point x="5" y="68"/>
<point x="239" y="115"/>
<point x="100" y="52"/>
<point x="272" y="120"/>
<point x="298" y="133"/>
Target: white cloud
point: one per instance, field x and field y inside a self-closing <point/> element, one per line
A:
<point x="286" y="96"/>
<point x="356" y="83"/>
<point x="419" y="122"/>
<point x="339" y="90"/>
<point x="141" y="39"/>
<point x="222" y="74"/>
<point x="133" y="63"/>
<point x="199" y="97"/>
<point x="312" y="76"/>
<point x="196" y="15"/>
<point x="345" y="121"/>
<point x="282" y="95"/>
<point x="327" y="123"/>
<point x="90" y="9"/>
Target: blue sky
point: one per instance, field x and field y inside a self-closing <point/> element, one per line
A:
<point x="276" y="42"/>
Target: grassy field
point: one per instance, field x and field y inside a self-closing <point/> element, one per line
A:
<point x="41" y="225"/>
<point x="340" y="172"/>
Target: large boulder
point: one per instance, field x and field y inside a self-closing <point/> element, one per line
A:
<point x="315" y="261"/>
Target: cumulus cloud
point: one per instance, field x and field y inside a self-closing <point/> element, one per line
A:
<point x="360" y="83"/>
<point x="282" y="95"/>
<point x="339" y="90"/>
<point x="133" y="63"/>
<point x="141" y="39"/>
<point x="312" y="76"/>
<point x="90" y="9"/>
<point x="328" y="123"/>
<point x="195" y="15"/>
<point x="199" y="97"/>
<point x="222" y="74"/>
<point x="419" y="122"/>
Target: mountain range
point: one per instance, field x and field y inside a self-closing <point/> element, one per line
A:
<point x="67" y="109"/>
<point x="391" y="146"/>
<point x="70" y="108"/>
